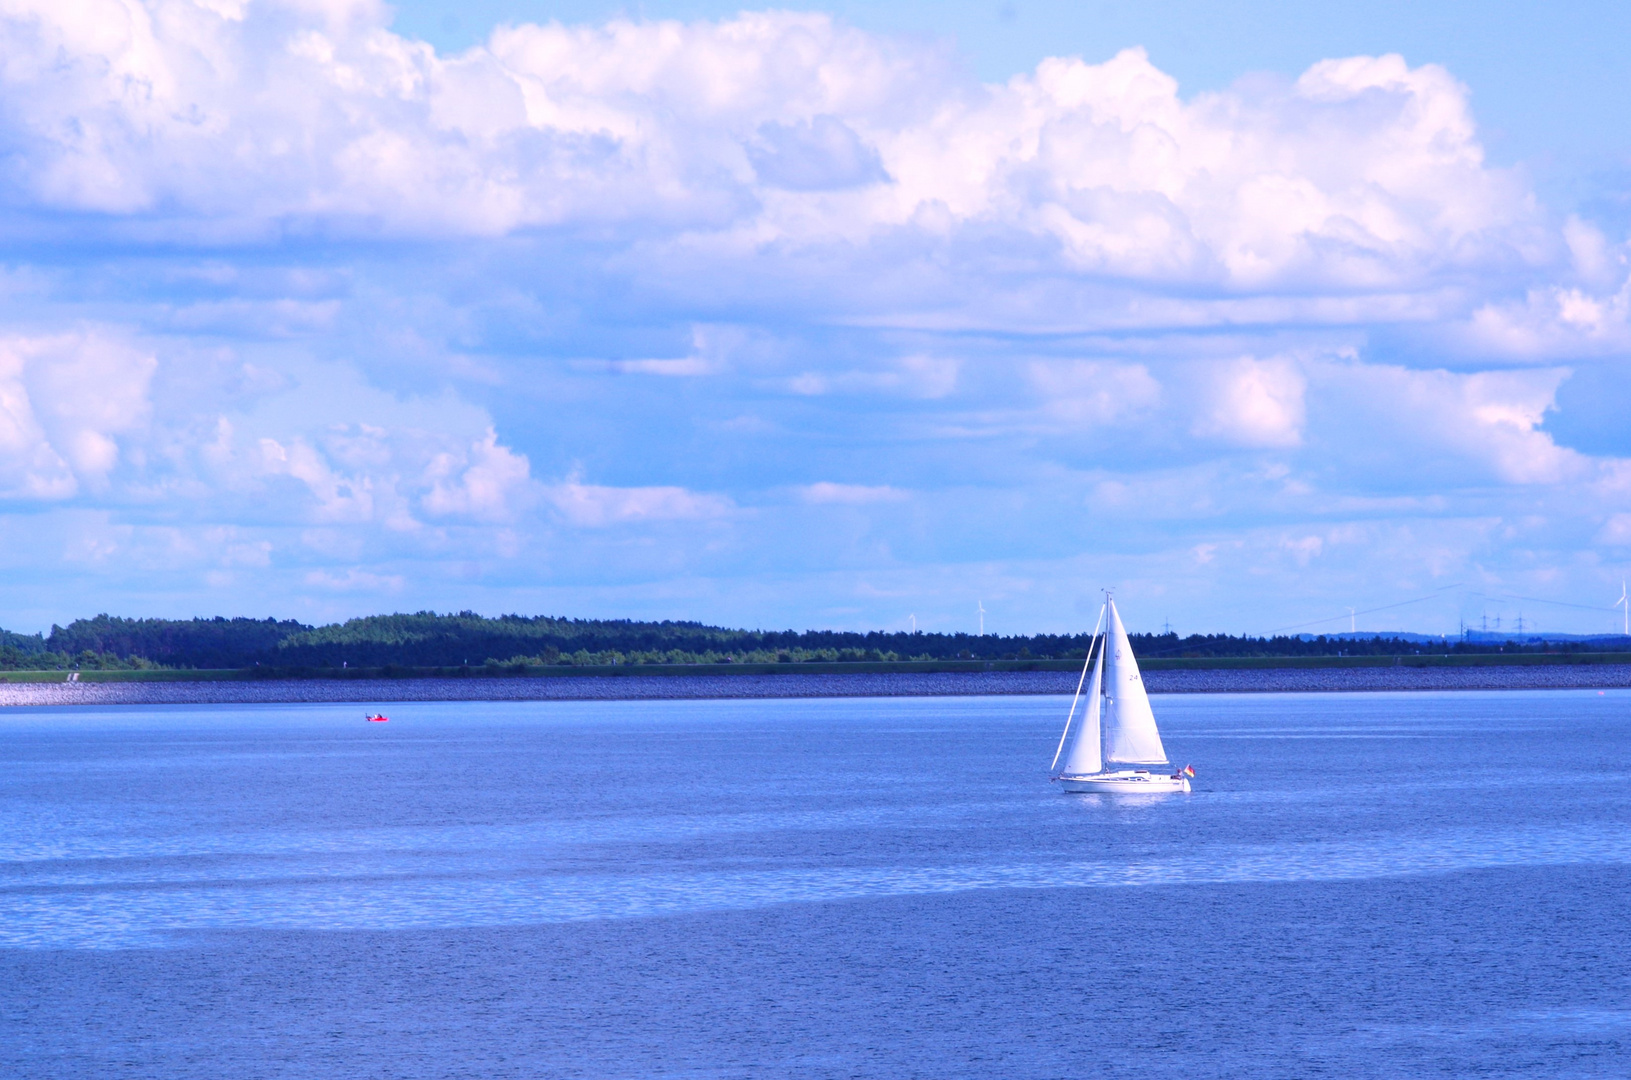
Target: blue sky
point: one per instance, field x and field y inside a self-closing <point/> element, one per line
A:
<point x="816" y="317"/>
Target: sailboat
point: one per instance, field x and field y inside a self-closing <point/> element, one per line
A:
<point x="1115" y="748"/>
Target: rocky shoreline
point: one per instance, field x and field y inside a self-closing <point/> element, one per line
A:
<point x="661" y="687"/>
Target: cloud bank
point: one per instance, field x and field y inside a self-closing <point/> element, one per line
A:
<point x="771" y="321"/>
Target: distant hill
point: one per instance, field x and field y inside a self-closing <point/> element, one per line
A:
<point x="1488" y="637"/>
<point x="1491" y="637"/>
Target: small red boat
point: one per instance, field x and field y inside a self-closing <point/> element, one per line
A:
<point x="376" y="718"/>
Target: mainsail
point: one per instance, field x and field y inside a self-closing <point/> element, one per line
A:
<point x="1130" y="737"/>
<point x="1084" y="756"/>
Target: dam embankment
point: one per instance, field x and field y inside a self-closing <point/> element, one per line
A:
<point x="799" y="684"/>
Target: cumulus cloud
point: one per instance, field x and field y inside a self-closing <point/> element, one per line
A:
<point x="1478" y="427"/>
<point x="65" y="402"/>
<point x="356" y="498"/>
<point x="398" y="477"/>
<point x="1596" y="260"/>
<point x="101" y="414"/>
<point x="771" y="128"/>
<point x="1253" y="402"/>
<point x="483" y="481"/>
<point x="1554" y="320"/>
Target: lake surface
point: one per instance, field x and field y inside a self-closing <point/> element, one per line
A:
<point x="1361" y="885"/>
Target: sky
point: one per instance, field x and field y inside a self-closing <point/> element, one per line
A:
<point x="851" y="316"/>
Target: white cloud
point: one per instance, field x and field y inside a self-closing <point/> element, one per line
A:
<point x="1086" y="392"/>
<point x="769" y="128"/>
<point x="340" y="498"/>
<point x="597" y="506"/>
<point x="679" y="366"/>
<point x="1253" y="402"/>
<point x="104" y="415"/>
<point x="65" y="400"/>
<point x="826" y="492"/>
<point x="1616" y="531"/>
<point x="712" y="348"/>
<point x="913" y="376"/>
<point x="1418" y="422"/>
<point x="233" y="548"/>
<point x="1553" y="321"/>
<point x="398" y="477"/>
<point x="484" y="481"/>
<point x="1303" y="549"/>
<point x="354" y="579"/>
<point x="1595" y="260"/>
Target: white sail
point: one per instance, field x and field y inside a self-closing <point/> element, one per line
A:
<point x="1130" y="737"/>
<point x="1085" y="756"/>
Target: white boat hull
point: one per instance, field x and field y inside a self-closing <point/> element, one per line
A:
<point x="1125" y="782"/>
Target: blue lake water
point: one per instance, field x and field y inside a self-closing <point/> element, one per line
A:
<point x="1364" y="885"/>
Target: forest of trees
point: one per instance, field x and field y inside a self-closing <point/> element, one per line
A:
<point x="427" y="639"/>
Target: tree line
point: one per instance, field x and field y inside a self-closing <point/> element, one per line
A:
<point x="428" y="639"/>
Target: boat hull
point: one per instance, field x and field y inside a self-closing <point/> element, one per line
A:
<point x="1125" y="782"/>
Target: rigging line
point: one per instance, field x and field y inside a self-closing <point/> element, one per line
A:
<point x="1079" y="683"/>
<point x="1538" y="600"/>
<point x="1367" y="611"/>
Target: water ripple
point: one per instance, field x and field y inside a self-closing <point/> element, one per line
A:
<point x="395" y="895"/>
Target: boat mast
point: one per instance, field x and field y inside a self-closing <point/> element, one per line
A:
<point x="1087" y="663"/>
<point x="1106" y="717"/>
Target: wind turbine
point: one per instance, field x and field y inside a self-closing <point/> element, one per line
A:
<point x="914" y="622"/>
<point x="979" y="604"/>
<point x="1625" y="602"/>
<point x="1353" y="622"/>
